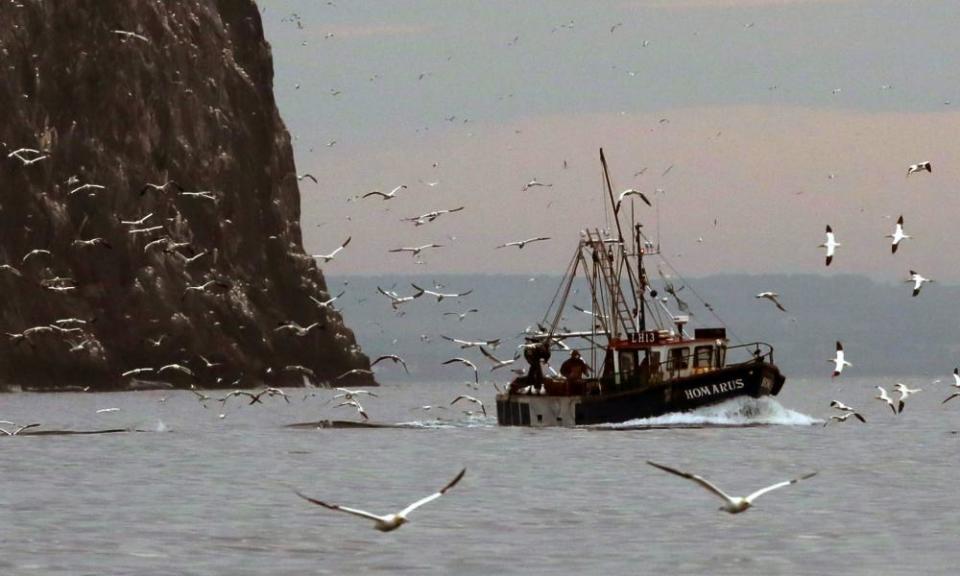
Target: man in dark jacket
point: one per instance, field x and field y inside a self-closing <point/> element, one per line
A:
<point x="574" y="368"/>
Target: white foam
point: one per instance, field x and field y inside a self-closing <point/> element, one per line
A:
<point x="742" y="411"/>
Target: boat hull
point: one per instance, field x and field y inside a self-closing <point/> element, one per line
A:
<point x="753" y="379"/>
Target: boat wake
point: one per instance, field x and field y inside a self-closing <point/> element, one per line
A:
<point x="742" y="411"/>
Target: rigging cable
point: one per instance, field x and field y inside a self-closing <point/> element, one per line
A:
<point x="706" y="305"/>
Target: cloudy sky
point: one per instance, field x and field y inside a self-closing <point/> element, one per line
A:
<point x="760" y="120"/>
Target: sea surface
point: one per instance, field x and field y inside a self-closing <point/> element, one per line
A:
<point x="191" y="493"/>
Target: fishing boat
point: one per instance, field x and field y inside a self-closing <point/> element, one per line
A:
<point x="641" y="359"/>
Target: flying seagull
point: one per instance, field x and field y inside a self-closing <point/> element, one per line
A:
<point x="919" y="168"/>
<point x="356" y="405"/>
<point x="841" y="406"/>
<point x="473" y="343"/>
<point x="390" y="521"/>
<point x="533" y="184"/>
<point x="885" y="398"/>
<point x="297" y="329"/>
<point x="631" y="192"/>
<point x="429" y="216"/>
<point x="91" y="243"/>
<point x="521" y="243"/>
<point x="200" y="195"/>
<point x="176" y="368"/>
<point x="771" y="296"/>
<point x="352" y="372"/>
<point x="732" y="504"/>
<point x="838" y="361"/>
<point x="34" y="252"/>
<point x="299" y="369"/>
<point x="830" y="244"/>
<point x="160" y="187"/>
<point x="329" y="301"/>
<point x="300" y="177"/>
<point x="904" y="394"/>
<point x="897" y="235"/>
<point x="843" y="417"/>
<point x="415" y="250"/>
<point x="396" y="300"/>
<point x="460" y="316"/>
<point x="393" y="357"/>
<point x="328" y="257"/>
<point x="20" y="154"/>
<point x="464" y="361"/>
<point x="846" y="412"/>
<point x="136" y="372"/>
<point x="918" y="282"/>
<point x="127" y="34"/>
<point x="589" y="312"/>
<point x="440" y="295"/>
<point x="139" y="222"/>
<point x="83" y="187"/>
<point x="348" y="394"/>
<point x="498" y="363"/>
<point x="19" y="429"/>
<point x="388" y="196"/>
<point x="469" y="398"/>
<point x="203" y="287"/>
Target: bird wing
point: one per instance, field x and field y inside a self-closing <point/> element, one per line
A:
<point x="490" y="356"/>
<point x="354" y="511"/>
<point x="375" y="193"/>
<point x="763" y="491"/>
<point x="698" y="479"/>
<point x="385" y="293"/>
<point x="25" y="427"/>
<point x="462" y="361"/>
<point x="433" y="496"/>
<point x="951" y="397"/>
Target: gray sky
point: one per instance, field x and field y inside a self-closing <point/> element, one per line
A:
<point x="778" y="117"/>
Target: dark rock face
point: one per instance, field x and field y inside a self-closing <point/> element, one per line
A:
<point x="188" y="100"/>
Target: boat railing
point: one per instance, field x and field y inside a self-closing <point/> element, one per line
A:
<point x="752" y="352"/>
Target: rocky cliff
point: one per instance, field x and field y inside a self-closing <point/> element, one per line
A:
<point x="100" y="99"/>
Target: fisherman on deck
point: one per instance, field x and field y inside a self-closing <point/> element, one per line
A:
<point x="534" y="355"/>
<point x="574" y="368"/>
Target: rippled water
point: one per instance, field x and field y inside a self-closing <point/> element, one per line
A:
<point x="196" y="494"/>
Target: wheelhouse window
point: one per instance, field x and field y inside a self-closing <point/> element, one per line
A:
<point x="678" y="358"/>
<point x="703" y="357"/>
<point x="653" y="359"/>
<point x="628" y="361"/>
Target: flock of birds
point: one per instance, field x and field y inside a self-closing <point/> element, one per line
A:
<point x="839" y="360"/>
<point x="350" y="398"/>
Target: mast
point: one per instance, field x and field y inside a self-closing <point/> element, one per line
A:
<point x="613" y="203"/>
<point x="637" y="299"/>
<point x="642" y="278"/>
